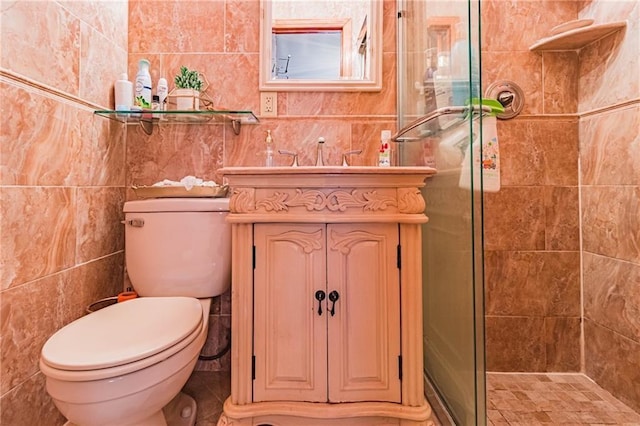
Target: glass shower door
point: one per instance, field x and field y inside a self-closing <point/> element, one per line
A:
<point x="438" y="67"/>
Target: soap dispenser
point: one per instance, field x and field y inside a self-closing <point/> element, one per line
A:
<point x="269" y="150"/>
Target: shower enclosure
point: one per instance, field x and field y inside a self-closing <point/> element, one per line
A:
<point x="438" y="71"/>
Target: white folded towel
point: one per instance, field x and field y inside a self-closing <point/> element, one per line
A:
<point x="188" y="182"/>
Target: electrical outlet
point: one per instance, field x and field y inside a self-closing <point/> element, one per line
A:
<point x="269" y="104"/>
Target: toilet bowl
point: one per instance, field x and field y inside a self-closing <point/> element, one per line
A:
<point x="120" y="365"/>
<point x="126" y="379"/>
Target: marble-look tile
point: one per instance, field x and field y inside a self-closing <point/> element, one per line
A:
<point x="32" y="312"/>
<point x="560" y="82"/>
<point x="108" y="18"/>
<point x="178" y="150"/>
<point x="562" y="218"/>
<point x="225" y="302"/>
<point x="297" y="135"/>
<point x="29" y="404"/>
<point x="514" y="25"/>
<point x="241" y="15"/>
<point x="46" y="142"/>
<point x="39" y="138"/>
<point x="38" y="232"/>
<point x="98" y="216"/>
<point x="523" y="68"/>
<point x="562" y="343"/>
<point x="101" y="63"/>
<point x="566" y="399"/>
<point x="515" y="344"/>
<point x="176" y="26"/>
<point x="232" y="77"/>
<point x="221" y="305"/>
<point x="611" y="296"/>
<point x="514" y="219"/>
<point x="365" y="136"/>
<point x="610" y="147"/>
<point x="89" y="283"/>
<point x="101" y="160"/>
<point x="539" y="152"/>
<point x="532" y="283"/>
<point x="389" y="18"/>
<point x="610" y="221"/>
<point x="29" y="317"/>
<point x="217" y="340"/>
<point x="611" y="59"/>
<point x="210" y="389"/>
<point x="33" y="35"/>
<point x="612" y="360"/>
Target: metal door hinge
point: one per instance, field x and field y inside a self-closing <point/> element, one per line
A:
<point x="399" y="256"/>
<point x="253" y="367"/>
<point x="254" y="257"/>
<point x="400" y="367"/>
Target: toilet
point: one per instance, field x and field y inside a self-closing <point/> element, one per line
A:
<point x="126" y="364"/>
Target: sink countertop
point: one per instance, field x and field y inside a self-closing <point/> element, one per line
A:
<point x="325" y="170"/>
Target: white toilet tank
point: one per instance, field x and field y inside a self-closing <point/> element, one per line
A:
<point x="178" y="246"/>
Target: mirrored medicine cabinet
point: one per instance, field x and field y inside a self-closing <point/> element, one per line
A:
<point x="321" y="45"/>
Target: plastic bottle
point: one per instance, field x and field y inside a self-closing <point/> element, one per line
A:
<point x="143" y="85"/>
<point x="384" y="156"/>
<point x="123" y="93"/>
<point x="163" y="92"/>
<point x="269" y="150"/>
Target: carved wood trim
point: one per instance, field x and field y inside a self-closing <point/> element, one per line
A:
<point x="334" y="201"/>
<point x="410" y="200"/>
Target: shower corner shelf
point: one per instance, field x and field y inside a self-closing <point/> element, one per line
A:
<point x="146" y="119"/>
<point x="577" y="38"/>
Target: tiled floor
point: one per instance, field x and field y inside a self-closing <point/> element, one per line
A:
<point x="553" y="399"/>
<point x="512" y="399"/>
<point x="209" y="389"/>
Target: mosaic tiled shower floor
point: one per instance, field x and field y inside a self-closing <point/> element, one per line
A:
<point x="554" y="399"/>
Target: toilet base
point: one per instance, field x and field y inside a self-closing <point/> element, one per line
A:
<point x="180" y="411"/>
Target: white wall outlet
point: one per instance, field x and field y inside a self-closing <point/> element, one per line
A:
<point x="269" y="104"/>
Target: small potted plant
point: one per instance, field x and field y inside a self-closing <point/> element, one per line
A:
<point x="188" y="87"/>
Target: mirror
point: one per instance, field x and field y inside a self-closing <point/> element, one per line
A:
<point x="321" y="45"/>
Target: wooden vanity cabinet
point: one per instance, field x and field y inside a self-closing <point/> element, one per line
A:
<point x="326" y="296"/>
<point x="326" y="313"/>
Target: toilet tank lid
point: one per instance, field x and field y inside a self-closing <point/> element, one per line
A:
<point x="123" y="333"/>
<point x="157" y="205"/>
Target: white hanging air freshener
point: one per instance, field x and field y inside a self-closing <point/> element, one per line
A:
<point x="486" y="161"/>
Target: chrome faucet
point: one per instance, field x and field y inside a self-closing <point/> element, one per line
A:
<point x="319" y="158"/>
<point x="345" y="161"/>
<point x="294" y="163"/>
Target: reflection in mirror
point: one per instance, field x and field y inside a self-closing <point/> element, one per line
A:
<point x="330" y="45"/>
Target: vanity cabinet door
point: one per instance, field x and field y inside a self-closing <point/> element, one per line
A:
<point x="290" y="338"/>
<point x="364" y="333"/>
<point x="326" y="313"/>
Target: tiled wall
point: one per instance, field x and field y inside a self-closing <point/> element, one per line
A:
<point x="609" y="103"/>
<point x="221" y="40"/>
<point x="62" y="176"/>
<point x="532" y="259"/>
<point x="580" y="106"/>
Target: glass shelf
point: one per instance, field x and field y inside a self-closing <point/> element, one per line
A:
<point x="147" y="118"/>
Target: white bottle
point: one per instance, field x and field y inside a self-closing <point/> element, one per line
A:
<point x="384" y="156"/>
<point x="123" y="93"/>
<point x="143" y="85"/>
<point x="163" y="91"/>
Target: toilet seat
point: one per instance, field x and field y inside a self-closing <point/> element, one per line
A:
<point x="123" y="336"/>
